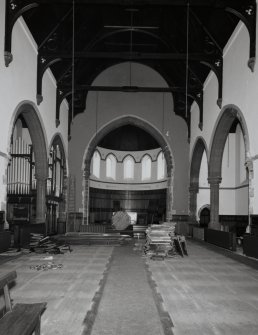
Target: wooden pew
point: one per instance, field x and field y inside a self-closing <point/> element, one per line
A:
<point x="20" y="319"/>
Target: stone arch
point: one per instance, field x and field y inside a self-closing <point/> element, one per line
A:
<point x="227" y="116"/>
<point x="57" y="140"/>
<point x="29" y="112"/>
<point x="197" y="154"/>
<point x="132" y="120"/>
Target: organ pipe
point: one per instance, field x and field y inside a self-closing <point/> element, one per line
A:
<point x="20" y="168"/>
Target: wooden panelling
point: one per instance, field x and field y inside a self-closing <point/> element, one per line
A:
<point x="150" y="205"/>
<point x="222" y="239"/>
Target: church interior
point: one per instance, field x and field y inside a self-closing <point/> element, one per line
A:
<point x="128" y="167"/>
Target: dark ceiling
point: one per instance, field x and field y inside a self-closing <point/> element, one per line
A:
<point x="129" y="138"/>
<point x="182" y="40"/>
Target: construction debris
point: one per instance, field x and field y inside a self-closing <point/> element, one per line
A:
<point x="46" y="267"/>
<point x="41" y="244"/>
<point x="161" y="241"/>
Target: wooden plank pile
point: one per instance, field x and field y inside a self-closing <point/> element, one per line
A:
<point x="161" y="241"/>
<point x="41" y="244"/>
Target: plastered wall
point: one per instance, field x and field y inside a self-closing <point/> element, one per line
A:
<point x="154" y="108"/>
<point x="239" y="85"/>
<point x="18" y="85"/>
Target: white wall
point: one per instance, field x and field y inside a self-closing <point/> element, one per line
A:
<point x="146" y="106"/>
<point x="239" y="89"/>
<point x="17" y="85"/>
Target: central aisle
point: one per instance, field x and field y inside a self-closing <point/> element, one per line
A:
<point x="127" y="306"/>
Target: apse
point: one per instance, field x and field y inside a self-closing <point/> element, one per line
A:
<point x="128" y="173"/>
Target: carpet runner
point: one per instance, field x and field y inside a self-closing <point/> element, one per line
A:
<point x="127" y="305"/>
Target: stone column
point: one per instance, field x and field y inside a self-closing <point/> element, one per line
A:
<point x="250" y="169"/>
<point x="193" y="191"/>
<point x="41" y="199"/>
<point x="86" y="196"/>
<point x="169" y="200"/>
<point x="214" y="202"/>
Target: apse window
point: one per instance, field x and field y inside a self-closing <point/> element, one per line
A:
<point x="111" y="167"/>
<point x="161" y="166"/>
<point x="96" y="164"/>
<point x="146" y="167"/>
<point x="128" y="168"/>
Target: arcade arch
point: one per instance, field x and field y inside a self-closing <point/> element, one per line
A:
<point x="229" y="117"/>
<point x="28" y="169"/>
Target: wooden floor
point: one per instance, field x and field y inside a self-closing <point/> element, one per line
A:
<point x="205" y="293"/>
<point x="208" y="293"/>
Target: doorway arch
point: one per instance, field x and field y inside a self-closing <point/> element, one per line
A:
<point x="229" y="115"/>
<point x="199" y="149"/>
<point x="127" y="120"/>
<point x="28" y="112"/>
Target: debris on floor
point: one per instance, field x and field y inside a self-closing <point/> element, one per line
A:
<point x="162" y="242"/>
<point x="41" y="244"/>
<point x="46" y="266"/>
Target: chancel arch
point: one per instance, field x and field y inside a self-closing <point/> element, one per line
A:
<point x="227" y="165"/>
<point x="28" y="168"/>
<point x="128" y="120"/>
<point x="199" y="157"/>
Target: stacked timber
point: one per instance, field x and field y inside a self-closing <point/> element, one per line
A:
<point x="159" y="239"/>
<point x="47" y="245"/>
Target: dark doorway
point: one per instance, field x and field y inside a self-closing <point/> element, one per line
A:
<point x="204" y="217"/>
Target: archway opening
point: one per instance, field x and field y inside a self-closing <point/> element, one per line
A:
<point x="199" y="190"/>
<point x="56" y="188"/>
<point x="228" y="176"/>
<point x="27" y="173"/>
<point x="148" y="200"/>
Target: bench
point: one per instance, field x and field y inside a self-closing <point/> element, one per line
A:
<point x="20" y="319"/>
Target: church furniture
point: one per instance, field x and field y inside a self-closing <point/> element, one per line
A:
<point x="20" y="319"/>
<point x="250" y="245"/>
<point x="222" y="239"/>
<point x="5" y="240"/>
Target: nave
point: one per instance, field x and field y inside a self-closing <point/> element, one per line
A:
<point x="92" y="292"/>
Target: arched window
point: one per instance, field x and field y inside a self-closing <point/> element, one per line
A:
<point x="161" y="166"/>
<point x="146" y="167"/>
<point x="96" y="164"/>
<point x="128" y="168"/>
<point x="111" y="167"/>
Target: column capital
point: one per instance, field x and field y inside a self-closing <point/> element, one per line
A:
<point x="39" y="177"/>
<point x="214" y="180"/>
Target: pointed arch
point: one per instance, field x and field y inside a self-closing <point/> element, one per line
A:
<point x="160" y="166"/>
<point x="96" y="164"/>
<point x="227" y="117"/>
<point x="199" y="149"/>
<point x="128" y="167"/>
<point x="30" y="114"/>
<point x="103" y="131"/>
<point x="111" y="166"/>
<point x="146" y="167"/>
